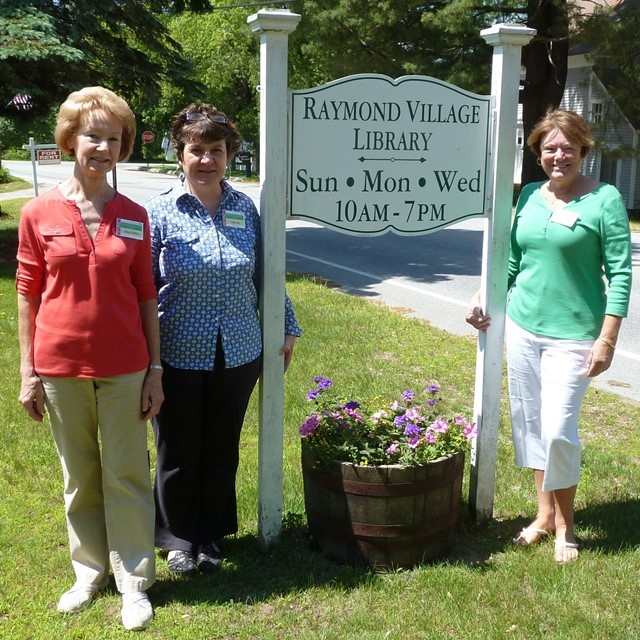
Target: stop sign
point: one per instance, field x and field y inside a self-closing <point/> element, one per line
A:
<point x="147" y="136"/>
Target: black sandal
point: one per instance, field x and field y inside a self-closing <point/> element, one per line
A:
<point x="180" y="561"/>
<point x="209" y="558"/>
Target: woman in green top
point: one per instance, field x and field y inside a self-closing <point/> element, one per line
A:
<point x="569" y="233"/>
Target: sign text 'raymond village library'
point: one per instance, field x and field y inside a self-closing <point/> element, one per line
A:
<point x="369" y="154"/>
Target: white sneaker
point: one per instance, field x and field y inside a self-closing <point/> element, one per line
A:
<point x="137" y="612"/>
<point x="80" y="596"/>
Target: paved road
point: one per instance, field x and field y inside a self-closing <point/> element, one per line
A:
<point x="429" y="276"/>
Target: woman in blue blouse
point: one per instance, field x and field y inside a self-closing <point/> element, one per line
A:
<point x="570" y="232"/>
<point x="205" y="240"/>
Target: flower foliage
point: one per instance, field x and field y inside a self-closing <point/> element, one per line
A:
<point x="407" y="431"/>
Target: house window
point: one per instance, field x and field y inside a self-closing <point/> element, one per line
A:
<point x="608" y="169"/>
<point x="596" y="112"/>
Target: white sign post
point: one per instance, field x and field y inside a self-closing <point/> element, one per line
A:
<point x="274" y="27"/>
<point x="406" y="155"/>
<point x="507" y="41"/>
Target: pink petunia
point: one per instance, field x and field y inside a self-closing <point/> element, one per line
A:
<point x="440" y="425"/>
<point x="414" y="415"/>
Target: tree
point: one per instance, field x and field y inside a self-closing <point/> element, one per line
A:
<point x="545" y="59"/>
<point x="33" y="57"/>
<point x="225" y="57"/>
<point x="396" y="38"/>
<point x="611" y="37"/>
<point x="441" y="39"/>
<point x="52" y="47"/>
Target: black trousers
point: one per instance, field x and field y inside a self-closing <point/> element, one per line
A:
<point x="197" y="436"/>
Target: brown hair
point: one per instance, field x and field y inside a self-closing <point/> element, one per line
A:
<point x="79" y="103"/>
<point x="570" y="123"/>
<point x="206" y="130"/>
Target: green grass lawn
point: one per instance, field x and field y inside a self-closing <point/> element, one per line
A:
<point x="14" y="185"/>
<point x="486" y="589"/>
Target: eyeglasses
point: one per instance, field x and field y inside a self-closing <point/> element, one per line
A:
<point x="196" y="116"/>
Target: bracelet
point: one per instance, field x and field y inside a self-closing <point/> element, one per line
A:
<point x="607" y="342"/>
<point x="157" y="367"/>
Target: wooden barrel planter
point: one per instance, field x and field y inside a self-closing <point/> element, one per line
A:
<point x="384" y="516"/>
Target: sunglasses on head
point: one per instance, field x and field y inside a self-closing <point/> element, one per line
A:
<point x="196" y="116"/>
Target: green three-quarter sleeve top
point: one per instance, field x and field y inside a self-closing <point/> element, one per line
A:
<point x="559" y="261"/>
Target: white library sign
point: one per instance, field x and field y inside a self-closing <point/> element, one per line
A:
<point x="369" y="154"/>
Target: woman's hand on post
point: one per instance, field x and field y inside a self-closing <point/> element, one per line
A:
<point x="287" y="350"/>
<point x="32" y="397"/>
<point x="476" y="316"/>
<point x="152" y="394"/>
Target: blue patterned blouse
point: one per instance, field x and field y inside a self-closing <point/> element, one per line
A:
<point x="207" y="274"/>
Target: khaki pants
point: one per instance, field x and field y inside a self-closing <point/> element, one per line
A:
<point x="102" y="443"/>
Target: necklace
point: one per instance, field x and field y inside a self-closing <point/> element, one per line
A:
<point x="562" y="196"/>
<point x="559" y="197"/>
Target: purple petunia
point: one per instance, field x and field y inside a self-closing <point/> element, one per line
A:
<point x="393" y="448"/>
<point x="322" y="382"/>
<point x="433" y="388"/>
<point x="313" y="395"/>
<point x="408" y="395"/>
<point x="412" y="430"/>
<point x="400" y="421"/>
<point x="309" y="425"/>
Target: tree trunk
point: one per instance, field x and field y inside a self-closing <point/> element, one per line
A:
<point x="545" y="61"/>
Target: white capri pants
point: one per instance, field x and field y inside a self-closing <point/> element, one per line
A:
<point x="547" y="384"/>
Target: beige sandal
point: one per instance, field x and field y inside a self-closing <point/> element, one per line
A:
<point x="521" y="539"/>
<point x="560" y="549"/>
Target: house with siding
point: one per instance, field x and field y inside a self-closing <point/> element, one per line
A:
<point x="615" y="157"/>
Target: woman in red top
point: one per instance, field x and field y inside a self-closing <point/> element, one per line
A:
<point x="89" y="345"/>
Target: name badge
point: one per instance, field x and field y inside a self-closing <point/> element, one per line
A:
<point x="129" y="229"/>
<point x="233" y="219"/>
<point x="565" y="218"/>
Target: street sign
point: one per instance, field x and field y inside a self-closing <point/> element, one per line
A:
<point x="147" y="137"/>
<point x="34" y="149"/>
<point x="48" y="156"/>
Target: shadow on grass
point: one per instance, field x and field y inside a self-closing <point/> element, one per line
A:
<point x="249" y="575"/>
<point x="614" y="525"/>
<point x="8" y="249"/>
<point x="610" y="527"/>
